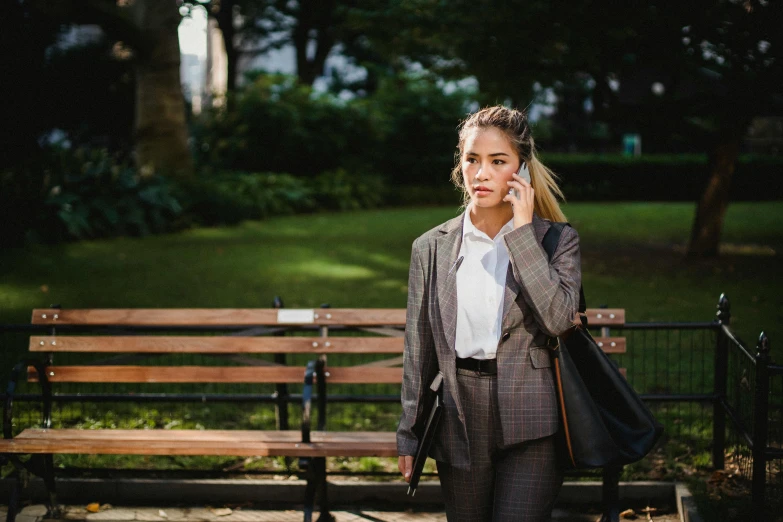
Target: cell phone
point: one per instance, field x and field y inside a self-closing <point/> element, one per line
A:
<point x="524" y="173"/>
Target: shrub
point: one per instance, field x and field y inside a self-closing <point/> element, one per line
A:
<point x="226" y="198"/>
<point x="92" y="196"/>
<point x="343" y="191"/>
<point x="658" y="177"/>
<point x="405" y="131"/>
<point x="277" y="125"/>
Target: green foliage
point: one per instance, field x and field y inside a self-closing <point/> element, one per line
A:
<point x="278" y="125"/>
<point x="404" y="131"/>
<point x="658" y="177"/>
<point x="92" y="196"/>
<point x="417" y="126"/>
<point x="342" y="190"/>
<point x="226" y="198"/>
<point x="75" y="194"/>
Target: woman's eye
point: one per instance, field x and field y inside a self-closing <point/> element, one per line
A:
<point x="498" y="162"/>
<point x="470" y="160"/>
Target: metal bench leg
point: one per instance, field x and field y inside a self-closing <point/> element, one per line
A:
<point x="307" y="465"/>
<point x="15" y="500"/>
<point x="320" y="473"/>
<point x="53" y="510"/>
<point x="611" y="494"/>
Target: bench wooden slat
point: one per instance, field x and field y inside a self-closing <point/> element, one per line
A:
<point x="231" y="345"/>
<point x="161" y="435"/>
<point x="213" y="374"/>
<point x="201" y="435"/>
<point x="218" y="345"/>
<point x="207" y="442"/>
<point x="215" y="317"/>
<point x="611" y="344"/>
<point x="254" y="317"/>
<point x="598" y="317"/>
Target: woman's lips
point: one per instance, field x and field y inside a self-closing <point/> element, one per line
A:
<point x="481" y="191"/>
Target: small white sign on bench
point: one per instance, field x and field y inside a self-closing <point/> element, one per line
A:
<point x="293" y="316"/>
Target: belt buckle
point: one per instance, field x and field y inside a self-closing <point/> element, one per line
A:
<point x="482" y="365"/>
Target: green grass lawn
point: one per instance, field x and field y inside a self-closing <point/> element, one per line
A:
<point x="632" y="257"/>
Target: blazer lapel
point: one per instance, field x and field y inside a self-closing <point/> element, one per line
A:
<point x="513" y="288"/>
<point x="448" y="245"/>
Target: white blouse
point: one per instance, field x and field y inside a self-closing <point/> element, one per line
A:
<point x="481" y="282"/>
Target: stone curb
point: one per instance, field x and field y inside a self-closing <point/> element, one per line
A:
<point x="686" y="505"/>
<point x="125" y="491"/>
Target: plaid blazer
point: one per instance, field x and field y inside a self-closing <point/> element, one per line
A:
<point x="541" y="300"/>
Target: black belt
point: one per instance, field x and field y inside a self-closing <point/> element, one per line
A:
<point x="487" y="366"/>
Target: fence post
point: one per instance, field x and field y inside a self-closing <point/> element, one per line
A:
<point x="760" y="425"/>
<point x="723" y="317"/>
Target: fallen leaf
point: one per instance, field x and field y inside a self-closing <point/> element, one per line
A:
<point x="162" y="514"/>
<point x="628" y="513"/>
<point x="94" y="507"/>
<point x="221" y="512"/>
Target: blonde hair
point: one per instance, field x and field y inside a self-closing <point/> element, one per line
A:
<point x="514" y="125"/>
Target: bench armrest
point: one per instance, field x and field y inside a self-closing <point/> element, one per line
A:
<point x="315" y="369"/>
<point x="46" y="389"/>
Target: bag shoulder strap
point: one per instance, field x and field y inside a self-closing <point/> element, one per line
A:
<point x="550" y="241"/>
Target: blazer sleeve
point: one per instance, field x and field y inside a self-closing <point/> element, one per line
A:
<point x="419" y="359"/>
<point x="550" y="289"/>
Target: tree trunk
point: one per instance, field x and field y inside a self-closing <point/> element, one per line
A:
<point x="319" y="16"/>
<point x="301" y="39"/>
<point x="225" y="20"/>
<point x="711" y="209"/>
<point x="160" y="129"/>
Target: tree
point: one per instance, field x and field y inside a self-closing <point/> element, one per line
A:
<point x="161" y="132"/>
<point x="148" y="29"/>
<point x="245" y="29"/>
<point x="738" y="46"/>
<point x="720" y="65"/>
<point x="720" y="60"/>
<point x="313" y="27"/>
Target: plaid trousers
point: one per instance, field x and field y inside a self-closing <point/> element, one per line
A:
<point x="515" y="483"/>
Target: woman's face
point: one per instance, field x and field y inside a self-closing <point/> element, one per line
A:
<point x="488" y="163"/>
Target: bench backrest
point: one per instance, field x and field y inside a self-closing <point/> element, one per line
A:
<point x="389" y="323"/>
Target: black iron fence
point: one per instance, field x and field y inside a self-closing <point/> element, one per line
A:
<point x="718" y="400"/>
<point x="748" y="422"/>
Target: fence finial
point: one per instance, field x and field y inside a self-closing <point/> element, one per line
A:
<point x="724" y="309"/>
<point x="277" y="302"/>
<point x="763" y="345"/>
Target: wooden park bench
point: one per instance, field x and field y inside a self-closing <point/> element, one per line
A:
<point x="161" y="337"/>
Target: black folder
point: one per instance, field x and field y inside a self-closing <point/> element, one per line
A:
<point x="428" y="434"/>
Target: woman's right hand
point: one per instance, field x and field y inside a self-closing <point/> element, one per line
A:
<point x="405" y="463"/>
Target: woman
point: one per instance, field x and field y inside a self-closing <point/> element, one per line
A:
<point x="483" y="299"/>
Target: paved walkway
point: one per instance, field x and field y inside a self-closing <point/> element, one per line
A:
<point x="152" y="514"/>
<point x="147" y="514"/>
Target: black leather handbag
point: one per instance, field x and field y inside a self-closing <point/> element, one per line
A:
<point x="603" y="421"/>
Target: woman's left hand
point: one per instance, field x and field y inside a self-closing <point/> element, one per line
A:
<point x="522" y="205"/>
